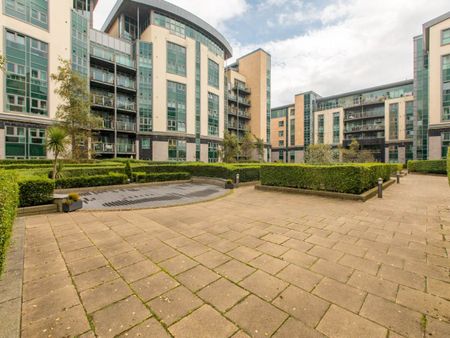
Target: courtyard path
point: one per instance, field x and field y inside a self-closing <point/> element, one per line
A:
<point x="254" y="263"/>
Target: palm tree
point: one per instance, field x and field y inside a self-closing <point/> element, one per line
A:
<point x="56" y="143"/>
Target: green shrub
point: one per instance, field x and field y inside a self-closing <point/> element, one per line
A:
<point x="91" y="181"/>
<point x="128" y="171"/>
<point x="428" y="166"/>
<point x="92" y="171"/>
<point x="35" y="191"/>
<point x="349" y="178"/>
<point x="9" y="198"/>
<point x="161" y="177"/>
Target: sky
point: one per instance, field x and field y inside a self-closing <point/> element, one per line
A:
<point x="325" y="46"/>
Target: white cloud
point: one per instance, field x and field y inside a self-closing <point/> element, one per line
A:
<point x="361" y="43"/>
<point x="213" y="12"/>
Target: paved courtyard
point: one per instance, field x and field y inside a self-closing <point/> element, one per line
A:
<point x="150" y="196"/>
<point x="253" y="263"/>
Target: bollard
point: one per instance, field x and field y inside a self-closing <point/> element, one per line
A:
<point x="237" y="178"/>
<point x="398" y="177"/>
<point x="380" y="188"/>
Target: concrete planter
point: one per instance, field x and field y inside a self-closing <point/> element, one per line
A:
<point x="73" y="206"/>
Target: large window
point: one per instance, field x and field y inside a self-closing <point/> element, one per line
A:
<point x="32" y="11"/>
<point x="129" y="28"/>
<point x="176" y="106"/>
<point x="446" y="88"/>
<point x="176" y="59"/>
<point x="393" y="121"/>
<point x="24" y="143"/>
<point x="409" y="120"/>
<point x="336" y="128"/>
<point x="292" y="131"/>
<point x="27" y="74"/>
<point x="213" y="114"/>
<point x="446" y="36"/>
<point x="213" y="73"/>
<point x="177" y="150"/>
<point x="145" y="93"/>
<point x="321" y="131"/>
<point x="393" y="154"/>
<point x="213" y="152"/>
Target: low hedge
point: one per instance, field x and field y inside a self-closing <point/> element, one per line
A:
<point x="9" y="197"/>
<point x="143" y="177"/>
<point x="35" y="191"/>
<point x="351" y="178"/>
<point x="428" y="166"/>
<point x="91" y="181"/>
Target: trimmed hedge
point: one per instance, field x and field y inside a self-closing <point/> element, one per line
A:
<point x="428" y="166"/>
<point x="35" y="191"/>
<point x="9" y="197"/>
<point x="161" y="177"/>
<point x="91" y="181"/>
<point x="351" y="178"/>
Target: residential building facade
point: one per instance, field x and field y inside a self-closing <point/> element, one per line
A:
<point x="248" y="83"/>
<point x="156" y="75"/>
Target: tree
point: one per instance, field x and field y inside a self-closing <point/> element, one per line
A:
<point x="355" y="155"/>
<point x="56" y="143"/>
<point x="259" y="148"/>
<point x="2" y="62"/>
<point x="231" y="148"/>
<point x="74" y="113"/>
<point x="247" y="145"/>
<point x="320" y="154"/>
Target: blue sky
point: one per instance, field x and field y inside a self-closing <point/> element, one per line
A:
<point x="321" y="45"/>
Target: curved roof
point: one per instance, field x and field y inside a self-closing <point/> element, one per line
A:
<point x="176" y="12"/>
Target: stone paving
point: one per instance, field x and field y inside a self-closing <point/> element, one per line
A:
<point x="254" y="263"/>
<point x="150" y="196"/>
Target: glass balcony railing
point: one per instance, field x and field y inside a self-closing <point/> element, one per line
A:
<point x="126" y="105"/>
<point x="126" y="82"/>
<point x="244" y="101"/>
<point x="102" y="76"/>
<point x="125" y="126"/>
<point x="102" y="53"/>
<point x="367" y="127"/>
<point x="242" y="88"/>
<point x="102" y="147"/>
<point x="125" y="147"/>
<point x="101" y="100"/>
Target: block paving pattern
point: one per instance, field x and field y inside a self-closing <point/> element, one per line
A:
<point x="252" y="264"/>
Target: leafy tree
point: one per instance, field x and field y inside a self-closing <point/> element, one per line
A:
<point x="355" y="155"/>
<point x="231" y="148"/>
<point x="2" y="62"/>
<point x="74" y="113"/>
<point x="259" y="148"/>
<point x="320" y="154"/>
<point x="56" y="143"/>
<point x="247" y="145"/>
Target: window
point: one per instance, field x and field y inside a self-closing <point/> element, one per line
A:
<point x="446" y="88"/>
<point x="213" y="115"/>
<point x="393" y="154"/>
<point x="24" y="143"/>
<point x="393" y="121"/>
<point x="32" y="11"/>
<point x="176" y="106"/>
<point x="446" y="36"/>
<point x="281" y="143"/>
<point x="213" y="73"/>
<point x="176" y="59"/>
<point x="15" y="103"/>
<point x="445" y="143"/>
<point x="320" y="134"/>
<point x="130" y="28"/>
<point x="280" y="123"/>
<point x="409" y="120"/>
<point x="177" y="150"/>
<point x="336" y="128"/>
<point x="145" y="143"/>
<point x="213" y="152"/>
<point x="281" y="133"/>
<point x="292" y="112"/>
<point x="16" y="69"/>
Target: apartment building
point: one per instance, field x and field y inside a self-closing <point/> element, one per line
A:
<point x="292" y="128"/>
<point x="156" y="75"/>
<point x="432" y="88"/>
<point x="248" y="83"/>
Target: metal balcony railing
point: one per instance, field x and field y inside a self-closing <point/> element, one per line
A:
<point x="125" y="126"/>
<point x="104" y="147"/>
<point x="104" y="101"/>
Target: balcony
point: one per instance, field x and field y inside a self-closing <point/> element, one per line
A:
<point x="242" y="89"/>
<point x="106" y="125"/>
<point x="101" y="76"/>
<point x="367" y="127"/>
<point x="243" y="101"/>
<point x="126" y="126"/>
<point x="126" y="105"/>
<point x="360" y="116"/>
<point x="102" y="101"/>
<point x="126" y="148"/>
<point x="126" y="82"/>
<point x="104" y="148"/>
